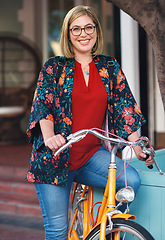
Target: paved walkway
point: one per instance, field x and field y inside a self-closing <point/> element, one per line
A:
<point x="14" y="227"/>
<point x="20" y="228"/>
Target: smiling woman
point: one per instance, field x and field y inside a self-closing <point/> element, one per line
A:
<point x="83" y="42"/>
<point x="71" y="19"/>
<point x="92" y="90"/>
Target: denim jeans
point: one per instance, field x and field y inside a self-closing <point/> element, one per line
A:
<point x="54" y="200"/>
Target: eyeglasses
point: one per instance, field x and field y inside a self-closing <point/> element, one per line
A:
<point x="76" y="31"/>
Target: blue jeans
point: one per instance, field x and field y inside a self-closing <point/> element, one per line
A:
<point x="54" y="200"/>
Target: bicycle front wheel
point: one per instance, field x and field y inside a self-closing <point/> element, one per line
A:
<point x="127" y="230"/>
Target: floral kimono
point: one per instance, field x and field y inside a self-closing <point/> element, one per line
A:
<point x="53" y="101"/>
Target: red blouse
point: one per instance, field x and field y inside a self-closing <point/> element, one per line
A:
<point x="89" y="104"/>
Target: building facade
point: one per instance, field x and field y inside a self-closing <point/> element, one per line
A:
<point x="40" y="22"/>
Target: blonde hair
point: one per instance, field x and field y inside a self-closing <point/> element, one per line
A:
<point x="73" y="14"/>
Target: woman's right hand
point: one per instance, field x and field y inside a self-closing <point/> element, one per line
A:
<point x="55" y="142"/>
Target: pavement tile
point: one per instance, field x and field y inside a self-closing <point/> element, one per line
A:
<point x="20" y="233"/>
<point x="20" y="228"/>
<point x="14" y="162"/>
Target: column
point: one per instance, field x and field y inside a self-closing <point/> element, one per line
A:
<point x="130" y="56"/>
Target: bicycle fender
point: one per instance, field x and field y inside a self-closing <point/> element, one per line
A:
<point x="114" y="216"/>
<point x="124" y="216"/>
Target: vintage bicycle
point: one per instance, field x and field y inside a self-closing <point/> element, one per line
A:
<point x="110" y="222"/>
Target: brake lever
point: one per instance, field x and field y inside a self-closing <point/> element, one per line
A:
<point x="72" y="138"/>
<point x="150" y="152"/>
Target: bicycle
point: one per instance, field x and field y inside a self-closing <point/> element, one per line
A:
<point x="111" y="223"/>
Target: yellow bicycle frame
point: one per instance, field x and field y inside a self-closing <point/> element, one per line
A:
<point x="108" y="205"/>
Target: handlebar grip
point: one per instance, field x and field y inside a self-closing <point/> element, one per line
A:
<point x="151" y="166"/>
<point x="66" y="140"/>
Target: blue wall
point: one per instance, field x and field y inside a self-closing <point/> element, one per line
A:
<point x="149" y="205"/>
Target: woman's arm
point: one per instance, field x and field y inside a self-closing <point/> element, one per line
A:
<point x="140" y="155"/>
<point x="54" y="142"/>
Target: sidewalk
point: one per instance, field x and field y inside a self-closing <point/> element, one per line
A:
<point x="14" y="226"/>
<point x="20" y="228"/>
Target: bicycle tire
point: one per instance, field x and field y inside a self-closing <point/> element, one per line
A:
<point x="129" y="230"/>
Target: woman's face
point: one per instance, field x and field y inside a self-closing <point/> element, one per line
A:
<point x="83" y="43"/>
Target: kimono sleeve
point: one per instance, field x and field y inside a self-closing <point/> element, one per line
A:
<point x="43" y="106"/>
<point x="125" y="115"/>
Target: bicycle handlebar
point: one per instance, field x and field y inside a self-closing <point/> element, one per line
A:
<point x="142" y="142"/>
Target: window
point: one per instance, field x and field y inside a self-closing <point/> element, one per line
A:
<point x="57" y="11"/>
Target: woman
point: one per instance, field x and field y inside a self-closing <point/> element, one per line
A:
<point x="84" y="96"/>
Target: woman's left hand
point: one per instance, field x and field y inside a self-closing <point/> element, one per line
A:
<point x="138" y="151"/>
<point x="142" y="156"/>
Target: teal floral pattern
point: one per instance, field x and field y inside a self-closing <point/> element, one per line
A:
<point x="53" y="101"/>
